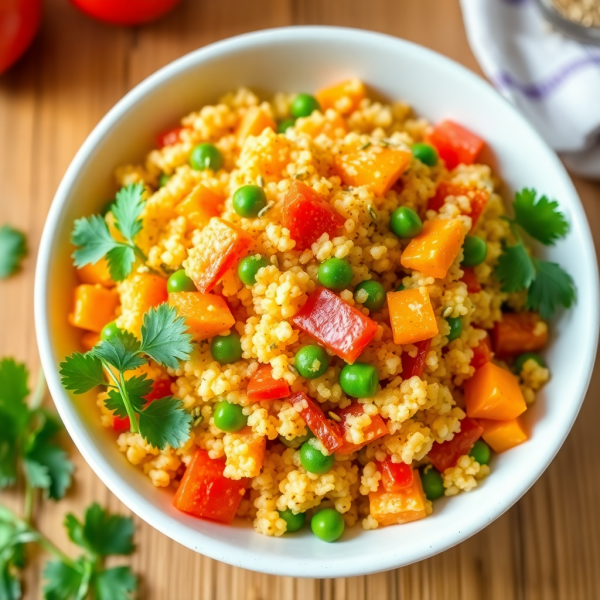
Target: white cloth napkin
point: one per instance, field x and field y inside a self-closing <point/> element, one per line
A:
<point x="553" y="80"/>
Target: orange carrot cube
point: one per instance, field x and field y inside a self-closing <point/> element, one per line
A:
<point x="345" y="97"/>
<point x="411" y="316"/>
<point x="519" y="332"/>
<point x="89" y="339"/>
<point x="148" y="291"/>
<point x="94" y="307"/>
<point x="200" y="206"/>
<point x="493" y="393"/>
<point x="392" y="508"/>
<point x="96" y="273"/>
<point x="254" y="122"/>
<point x="433" y="251"/>
<point x="503" y="435"/>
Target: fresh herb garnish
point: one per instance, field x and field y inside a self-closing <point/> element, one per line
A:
<point x="95" y="241"/>
<point x="548" y="285"/>
<point x="164" y="338"/>
<point x="13" y="248"/>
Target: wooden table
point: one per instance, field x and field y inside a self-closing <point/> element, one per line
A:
<point x="546" y="547"/>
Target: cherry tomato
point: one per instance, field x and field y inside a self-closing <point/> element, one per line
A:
<point x="19" y="22"/>
<point x="125" y="12"/>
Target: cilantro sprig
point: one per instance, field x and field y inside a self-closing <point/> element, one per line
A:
<point x="164" y="339"/>
<point x="95" y="241"/>
<point x="13" y="248"/>
<point x="548" y="286"/>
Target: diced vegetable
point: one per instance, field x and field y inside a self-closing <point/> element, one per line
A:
<point x="474" y="251"/>
<point x="262" y="386"/>
<point x="229" y="417"/>
<point x="94" y="306"/>
<point x="391" y="508"/>
<point x="523" y="358"/>
<point x="206" y="157"/>
<point x="412" y="366"/>
<point x="478" y="198"/>
<point x="199" y="206"/>
<point x="481" y="452"/>
<point x="312" y="361"/>
<point x="455" y="324"/>
<point x="344" y="97"/>
<point x="455" y="144"/>
<point x="375" y="167"/>
<point x="376" y="429"/>
<point x="161" y="388"/>
<point x="170" y="137"/>
<point x="254" y="122"/>
<point x="517" y="333"/>
<point x="332" y="125"/>
<point x="433" y="483"/>
<point x="303" y="105"/>
<point x="180" y="282"/>
<point x="360" y="380"/>
<point x="503" y="435"/>
<point x="328" y="524"/>
<point x="411" y="316"/>
<point x="338" y="326"/>
<point x="493" y="393"/>
<point x="219" y="247"/>
<point x="89" y="339"/>
<point x="96" y="273"/>
<point x="434" y="250"/>
<point x="470" y="280"/>
<point x="395" y="477"/>
<point x="370" y="294"/>
<point x="248" y="200"/>
<point x="335" y="274"/>
<point x="148" y="291"/>
<point x="308" y="216"/>
<point x="294" y="522"/>
<point x="256" y="444"/>
<point x="205" y="492"/>
<point x="206" y="315"/>
<point x="327" y="430"/>
<point x="482" y="353"/>
<point x="314" y="461"/>
<point x="444" y="455"/>
<point x="405" y="223"/>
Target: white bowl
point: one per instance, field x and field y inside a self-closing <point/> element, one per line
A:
<point x="304" y="59"/>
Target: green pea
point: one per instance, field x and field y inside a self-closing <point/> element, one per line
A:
<point x="335" y="274"/>
<point x="327" y="524"/>
<point x="206" y="156"/>
<point x="226" y="348"/>
<point x="480" y="452"/>
<point x="311" y="361"/>
<point x="475" y="251"/>
<point x="426" y="153"/>
<point x="109" y="331"/>
<point x="314" y="461"/>
<point x="294" y="522"/>
<point x="180" y="282"/>
<point x="401" y="288"/>
<point x="455" y="324"/>
<point x="163" y="179"/>
<point x="405" y="223"/>
<point x="303" y="105"/>
<point x="523" y="358"/>
<point x="229" y="417"/>
<point x="249" y="200"/>
<point x="297" y="441"/>
<point x="375" y="294"/>
<point x="360" y="380"/>
<point x="433" y="484"/>
<point x="284" y="125"/>
<point x="248" y="268"/>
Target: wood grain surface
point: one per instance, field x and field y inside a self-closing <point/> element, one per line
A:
<point x="545" y="548"/>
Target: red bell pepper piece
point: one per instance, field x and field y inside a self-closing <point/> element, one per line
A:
<point x="161" y="388"/>
<point x="455" y="144"/>
<point x="395" y="477"/>
<point x="373" y="432"/>
<point x="262" y="386"/>
<point x="205" y="492"/>
<point x="169" y="138"/>
<point x="343" y="329"/>
<point x="412" y="366"/>
<point x="482" y="353"/>
<point x="469" y="277"/>
<point x="328" y="431"/>
<point x="477" y="197"/>
<point x="308" y="216"/>
<point x="443" y="456"/>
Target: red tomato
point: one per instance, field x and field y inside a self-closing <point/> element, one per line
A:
<point x="482" y="353"/>
<point x="262" y="386"/>
<point x="455" y="144"/>
<point x="169" y="138"/>
<point x="19" y="22"/>
<point x="477" y="197"/>
<point x="125" y="12"/>
<point x="414" y="366"/>
<point x="469" y="277"/>
<point x="395" y="477"/>
<point x="443" y="456"/>
<point x="373" y="432"/>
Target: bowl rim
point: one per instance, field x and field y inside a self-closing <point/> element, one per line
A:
<point x="218" y="549"/>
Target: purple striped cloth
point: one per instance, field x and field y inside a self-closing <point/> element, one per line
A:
<point x="554" y="81"/>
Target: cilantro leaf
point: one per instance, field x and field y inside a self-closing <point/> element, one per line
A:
<point x="120" y="260"/>
<point x="107" y="534"/>
<point x="10" y="587"/>
<point x="81" y="372"/>
<point x="63" y="581"/>
<point x="14" y="390"/>
<point x="13" y="248"/>
<point x="9" y="450"/>
<point x="551" y="288"/>
<point x="137" y="387"/>
<point x="51" y="463"/>
<point x="515" y="270"/>
<point x="540" y="218"/>
<point x="165" y="421"/>
<point x="127" y="210"/>
<point x="12" y="557"/>
<point x="121" y="351"/>
<point x="92" y="236"/>
<point x="165" y="337"/>
<point x="36" y="473"/>
<point x="117" y="583"/>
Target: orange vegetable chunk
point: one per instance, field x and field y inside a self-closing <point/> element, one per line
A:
<point x="376" y="428"/>
<point x="89" y="339"/>
<point x="220" y="246"/>
<point x="403" y="506"/>
<point x="375" y="167"/>
<point x="245" y="447"/>
<point x="206" y="315"/>
<point x="433" y="251"/>
<point x="94" y="307"/>
<point x="200" y="206"/>
<point x="331" y="124"/>
<point x="147" y="291"/>
<point x="96" y="273"/>
<point x="503" y="435"/>
<point x="493" y="393"/>
<point x="411" y="316"/>
<point x="455" y="144"/>
<point x="254" y="122"/>
<point x="478" y="198"/>
<point x="519" y="332"/>
<point x="344" y="97"/>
